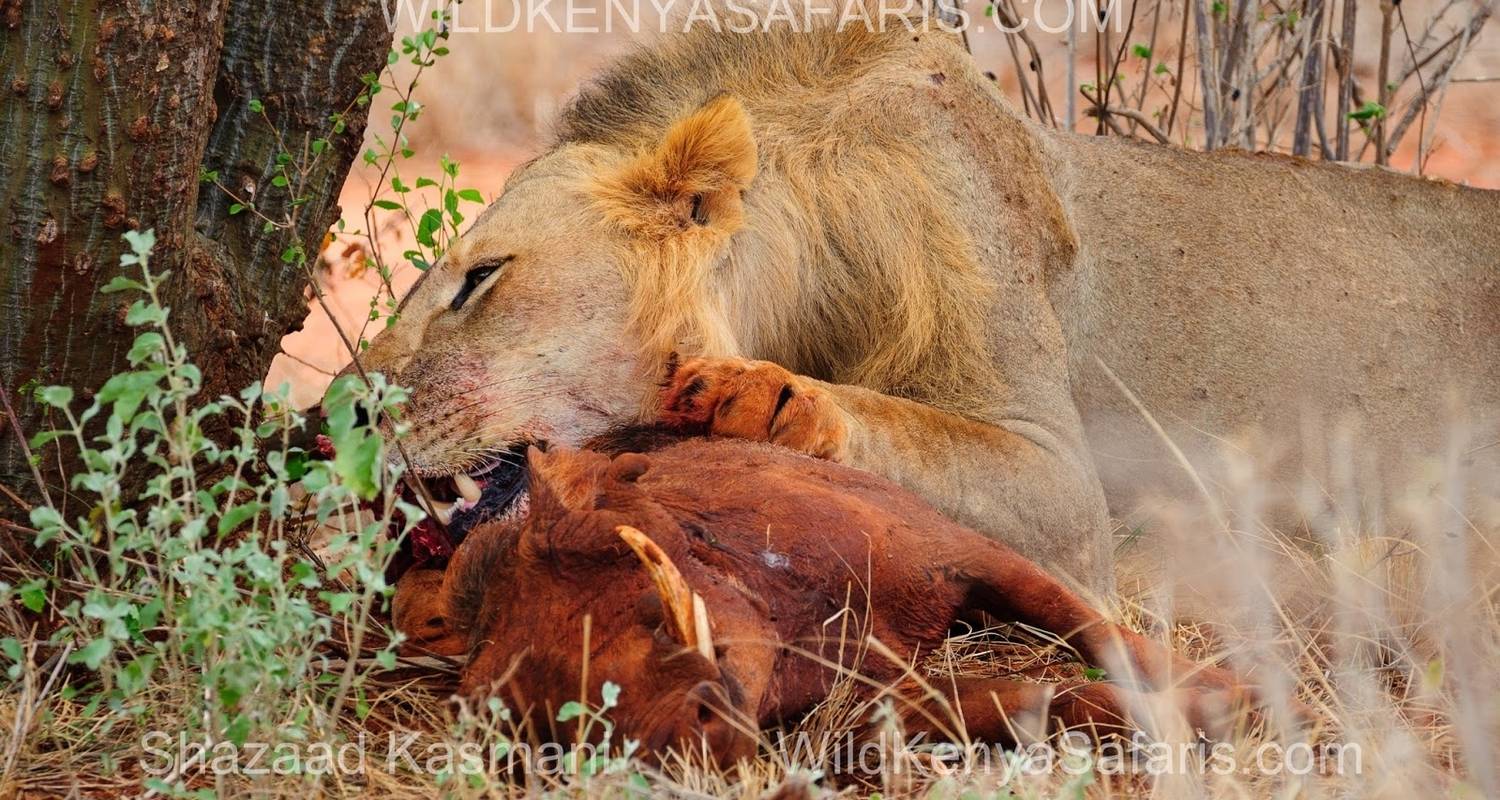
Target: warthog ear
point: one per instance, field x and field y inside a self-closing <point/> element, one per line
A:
<point x="563" y="480"/>
<point x="567" y="492"/>
<point x="692" y="178"/>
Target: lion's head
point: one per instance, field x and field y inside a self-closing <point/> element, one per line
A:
<point x="550" y="319"/>
<point x="662" y="220"/>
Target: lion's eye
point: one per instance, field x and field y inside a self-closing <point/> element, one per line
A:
<point x="473" y="278"/>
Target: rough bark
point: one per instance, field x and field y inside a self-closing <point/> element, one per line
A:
<point x="110" y="112"/>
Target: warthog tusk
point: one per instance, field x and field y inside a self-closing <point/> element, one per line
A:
<point x="686" y="610"/>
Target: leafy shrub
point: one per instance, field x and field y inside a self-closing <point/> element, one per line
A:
<point x="197" y="607"/>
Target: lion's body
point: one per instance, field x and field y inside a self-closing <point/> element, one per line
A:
<point x="1244" y="294"/>
<point x="953" y="276"/>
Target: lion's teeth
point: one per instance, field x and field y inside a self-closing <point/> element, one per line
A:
<point x="443" y="511"/>
<point x="467" y="487"/>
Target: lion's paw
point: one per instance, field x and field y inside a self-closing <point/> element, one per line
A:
<point x="754" y="400"/>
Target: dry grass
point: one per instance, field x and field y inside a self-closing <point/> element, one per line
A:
<point x="1392" y="642"/>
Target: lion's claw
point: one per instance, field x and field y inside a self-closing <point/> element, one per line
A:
<point x="754" y="400"/>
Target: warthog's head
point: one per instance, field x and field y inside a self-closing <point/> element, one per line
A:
<point x="581" y="589"/>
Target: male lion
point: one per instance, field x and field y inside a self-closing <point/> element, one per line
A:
<point x="862" y="252"/>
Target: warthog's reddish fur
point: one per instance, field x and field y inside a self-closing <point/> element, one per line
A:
<point x="796" y="560"/>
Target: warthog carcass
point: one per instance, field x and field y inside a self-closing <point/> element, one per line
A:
<point x="722" y="580"/>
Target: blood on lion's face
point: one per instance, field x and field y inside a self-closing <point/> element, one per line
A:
<point x="550" y="320"/>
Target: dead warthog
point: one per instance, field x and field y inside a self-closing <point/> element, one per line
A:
<point x="723" y="581"/>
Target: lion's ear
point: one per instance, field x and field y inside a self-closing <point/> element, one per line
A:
<point x="693" y="177"/>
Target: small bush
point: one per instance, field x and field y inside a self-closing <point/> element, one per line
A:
<point x="197" y="608"/>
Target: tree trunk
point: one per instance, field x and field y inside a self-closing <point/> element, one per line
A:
<point x="110" y="111"/>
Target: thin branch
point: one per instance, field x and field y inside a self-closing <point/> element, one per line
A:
<point x="1445" y="72"/>
<point x="1383" y="87"/>
<point x="1310" y="96"/>
<point x="1177" y="77"/>
<point x="15" y="427"/>
<point x="1346" y="79"/>
<point x="1206" y="76"/>
<point x="1136" y="117"/>
<point x="1422" y="85"/>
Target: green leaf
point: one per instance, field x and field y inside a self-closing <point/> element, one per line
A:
<point x="34" y="595"/>
<point x="388" y="205"/>
<point x="146" y="615"/>
<point x="237" y="515"/>
<point x="141" y="242"/>
<point x="569" y="711"/>
<point x="145" y="346"/>
<point x="1141" y="51"/>
<point x="1370" y="110"/>
<point x="92" y="654"/>
<point x="1093" y="674"/>
<point x="256" y="106"/>
<point x="296" y="466"/>
<point x="431" y="223"/>
<point x="120" y="283"/>
<point x="338" y="602"/>
<point x="11" y="648"/>
<point x="359" y="466"/>
<point x="236" y="208"/>
<point x="43" y="437"/>
<point x="238" y="730"/>
<point x="143" y="313"/>
<point x="55" y="396"/>
<point x="126" y="390"/>
<point x="472" y="195"/>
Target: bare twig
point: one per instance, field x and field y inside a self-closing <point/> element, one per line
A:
<point x="1346" y="79"/>
<point x="1230" y="71"/>
<point x="1177" y="76"/>
<point x="1444" y="74"/>
<point x="1072" y="108"/>
<point x="1310" y="96"/>
<point x="15" y="428"/>
<point x="1384" y="90"/>
<point x="1206" y="77"/>
<point x="1140" y="100"/>
<point x="1011" y="19"/>
<point x="1107" y="86"/>
<point x="1135" y="117"/>
<point x="1411" y="49"/>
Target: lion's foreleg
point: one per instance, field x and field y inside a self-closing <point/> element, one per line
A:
<point x="1036" y="493"/>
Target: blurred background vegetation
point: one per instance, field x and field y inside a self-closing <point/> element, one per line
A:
<point x="1300" y="76"/>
